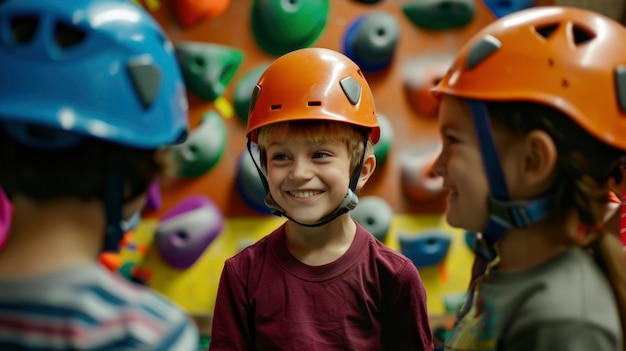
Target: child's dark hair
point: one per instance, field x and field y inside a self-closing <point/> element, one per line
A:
<point x="79" y="172"/>
<point x="582" y="171"/>
<point x="583" y="167"/>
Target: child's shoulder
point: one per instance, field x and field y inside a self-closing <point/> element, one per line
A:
<point x="118" y="292"/>
<point x="383" y="254"/>
<point x="100" y="306"/>
<point x="569" y="287"/>
<point x="146" y="313"/>
<point x="99" y="293"/>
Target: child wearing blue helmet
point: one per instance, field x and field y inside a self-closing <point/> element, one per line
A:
<point x="89" y="95"/>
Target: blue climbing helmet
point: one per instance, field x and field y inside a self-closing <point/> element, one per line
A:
<point x="88" y="68"/>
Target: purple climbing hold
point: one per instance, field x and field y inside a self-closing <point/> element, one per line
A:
<point x="184" y="232"/>
<point x="154" y="200"/>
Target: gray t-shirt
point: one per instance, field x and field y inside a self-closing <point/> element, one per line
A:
<point x="563" y="304"/>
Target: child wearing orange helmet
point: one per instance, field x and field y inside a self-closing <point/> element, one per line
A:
<point x="539" y="99"/>
<point x="320" y="281"/>
<point x="90" y="93"/>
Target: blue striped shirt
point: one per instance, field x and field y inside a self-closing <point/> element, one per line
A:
<point x="90" y="308"/>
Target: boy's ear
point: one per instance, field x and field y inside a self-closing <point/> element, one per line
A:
<point x="540" y="155"/>
<point x="369" y="165"/>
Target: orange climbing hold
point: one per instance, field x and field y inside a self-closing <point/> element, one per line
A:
<point x="191" y="12"/>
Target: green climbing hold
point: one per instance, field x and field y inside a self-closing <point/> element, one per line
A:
<point x="381" y="149"/>
<point x="207" y="68"/>
<point x="126" y="270"/>
<point x="280" y="26"/>
<point x="440" y="14"/>
<point x="205" y="342"/>
<point x="204" y="147"/>
<point x="243" y="91"/>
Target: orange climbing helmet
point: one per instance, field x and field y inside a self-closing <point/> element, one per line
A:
<point x="329" y="86"/>
<point x="571" y="59"/>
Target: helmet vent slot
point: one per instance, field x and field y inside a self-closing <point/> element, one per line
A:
<point x="67" y="36"/>
<point x="276" y="107"/>
<point x="352" y="89"/>
<point x="581" y="34"/>
<point x="547" y="30"/>
<point x="314" y="103"/>
<point x="481" y="50"/>
<point x="620" y="87"/>
<point x="255" y="95"/>
<point x="146" y="78"/>
<point x="24" y="28"/>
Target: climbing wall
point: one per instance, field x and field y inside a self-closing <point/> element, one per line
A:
<point x="214" y="206"/>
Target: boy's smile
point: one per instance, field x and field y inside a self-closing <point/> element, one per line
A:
<point x="304" y="194"/>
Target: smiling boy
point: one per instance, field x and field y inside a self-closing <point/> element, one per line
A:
<point x="320" y="281"/>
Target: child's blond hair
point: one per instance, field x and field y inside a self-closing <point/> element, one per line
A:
<point x="320" y="131"/>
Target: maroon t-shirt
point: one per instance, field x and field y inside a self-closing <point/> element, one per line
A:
<point x="371" y="298"/>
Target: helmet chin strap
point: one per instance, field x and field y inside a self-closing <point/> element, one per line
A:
<point x="114" y="200"/>
<point x="504" y="213"/>
<point x="349" y="202"/>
